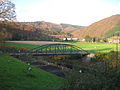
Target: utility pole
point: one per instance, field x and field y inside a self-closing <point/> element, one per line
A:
<point x="117" y="47"/>
<point x="117" y="50"/>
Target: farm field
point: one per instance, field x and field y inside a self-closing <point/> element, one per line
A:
<point x="89" y="47"/>
<point x="22" y="45"/>
<point x="37" y="42"/>
<point x="96" y="47"/>
<point x="16" y="76"/>
<point x="29" y="44"/>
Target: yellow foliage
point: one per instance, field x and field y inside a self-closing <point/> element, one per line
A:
<point x="58" y="57"/>
<point x="106" y="57"/>
<point x="115" y="63"/>
<point x="98" y="54"/>
<point x="111" y="59"/>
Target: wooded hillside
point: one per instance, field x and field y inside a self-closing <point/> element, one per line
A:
<point x="98" y="29"/>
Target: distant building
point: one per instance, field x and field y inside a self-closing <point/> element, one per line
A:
<point x="75" y="39"/>
<point x="81" y="40"/>
<point x="66" y="39"/>
<point x="69" y="39"/>
<point x="114" y="39"/>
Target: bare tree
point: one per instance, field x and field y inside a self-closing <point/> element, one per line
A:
<point x="7" y="11"/>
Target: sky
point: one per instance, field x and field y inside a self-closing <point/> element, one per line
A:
<point x="76" y="12"/>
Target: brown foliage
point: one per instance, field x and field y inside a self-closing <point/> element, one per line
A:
<point x="7" y="10"/>
<point x="98" y="29"/>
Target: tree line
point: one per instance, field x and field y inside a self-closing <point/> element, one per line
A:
<point x="18" y="31"/>
<point x="10" y="29"/>
<point x="95" y="39"/>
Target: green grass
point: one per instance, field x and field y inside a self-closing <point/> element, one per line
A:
<point x="90" y="47"/>
<point x="28" y="46"/>
<point x="15" y="76"/>
<point x="96" y="47"/>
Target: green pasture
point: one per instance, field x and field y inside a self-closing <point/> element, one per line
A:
<point x="14" y="75"/>
<point x="88" y="46"/>
<point x="52" y="48"/>
<point x="28" y="46"/>
<point x="96" y="47"/>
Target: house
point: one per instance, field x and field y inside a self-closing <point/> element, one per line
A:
<point x="115" y="39"/>
<point x="82" y="40"/>
<point x="74" y="39"/>
<point x="69" y="39"/>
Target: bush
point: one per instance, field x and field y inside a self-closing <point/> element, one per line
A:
<point x="106" y="56"/>
<point x="58" y="57"/>
<point x="98" y="57"/>
<point x="104" y="74"/>
<point x="98" y="77"/>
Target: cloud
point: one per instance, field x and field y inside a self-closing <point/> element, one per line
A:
<point x="79" y="12"/>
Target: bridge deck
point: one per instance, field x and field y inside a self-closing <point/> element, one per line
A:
<point x="41" y="54"/>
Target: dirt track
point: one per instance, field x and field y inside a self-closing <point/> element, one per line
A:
<point x="37" y="42"/>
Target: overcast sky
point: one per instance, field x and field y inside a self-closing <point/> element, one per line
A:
<point x="76" y="12"/>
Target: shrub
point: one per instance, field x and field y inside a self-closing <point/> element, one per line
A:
<point x="104" y="74"/>
<point x="106" y="56"/>
<point x="98" y="57"/>
<point x="58" y="57"/>
<point x="98" y="77"/>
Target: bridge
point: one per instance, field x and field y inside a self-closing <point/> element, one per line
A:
<point x="53" y="49"/>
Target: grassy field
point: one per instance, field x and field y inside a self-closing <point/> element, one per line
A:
<point x="28" y="46"/>
<point x="90" y="47"/>
<point x="15" y="76"/>
<point x="96" y="47"/>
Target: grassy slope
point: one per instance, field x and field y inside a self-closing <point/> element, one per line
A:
<point x="98" y="29"/>
<point x="114" y="31"/>
<point x="15" y="76"/>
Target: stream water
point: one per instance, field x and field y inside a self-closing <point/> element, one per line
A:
<point x="51" y="68"/>
<point x="46" y="66"/>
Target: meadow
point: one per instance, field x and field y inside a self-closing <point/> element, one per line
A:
<point x="89" y="47"/>
<point x="97" y="47"/>
<point x="22" y="45"/>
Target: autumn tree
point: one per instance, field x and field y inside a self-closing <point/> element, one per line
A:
<point x="7" y="10"/>
<point x="88" y="38"/>
<point x="7" y="13"/>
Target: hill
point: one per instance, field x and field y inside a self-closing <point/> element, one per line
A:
<point x="114" y="31"/>
<point x="15" y="76"/>
<point x="70" y="28"/>
<point x="100" y="28"/>
<point x="52" y="28"/>
<point x="39" y="30"/>
<point x="20" y="31"/>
